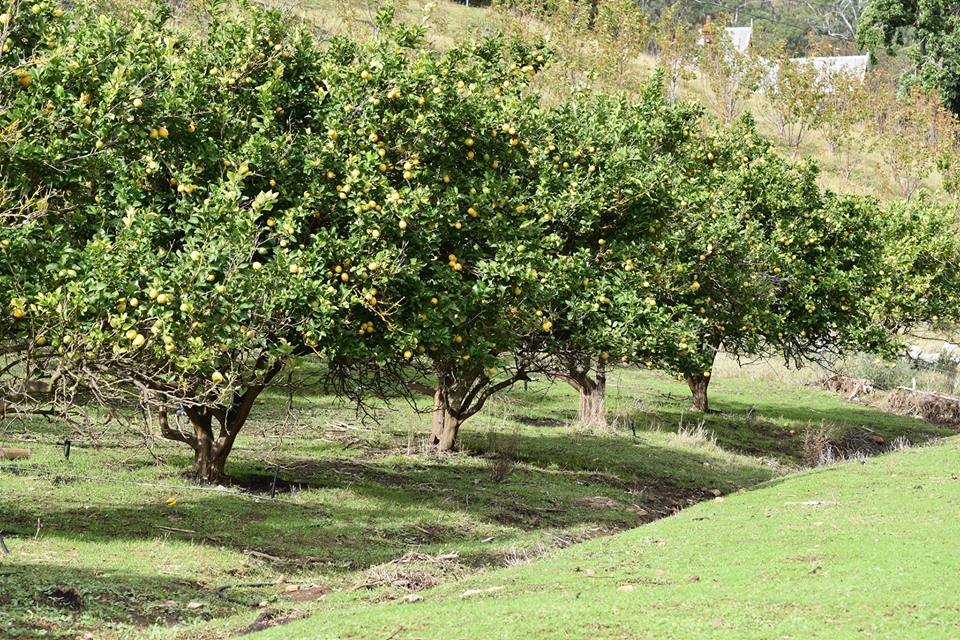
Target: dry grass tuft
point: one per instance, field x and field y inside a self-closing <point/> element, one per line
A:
<point x="851" y="388"/>
<point x="502" y="453"/>
<point x="694" y="436"/>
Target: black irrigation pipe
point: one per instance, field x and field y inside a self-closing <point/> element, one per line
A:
<point x="276" y="476"/>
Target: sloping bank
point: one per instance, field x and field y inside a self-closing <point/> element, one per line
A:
<point x="853" y="550"/>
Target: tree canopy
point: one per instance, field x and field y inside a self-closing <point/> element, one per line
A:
<point x="929" y="30"/>
<point x="187" y="213"/>
<point x="759" y="261"/>
<point x="609" y="213"/>
<point x="155" y="173"/>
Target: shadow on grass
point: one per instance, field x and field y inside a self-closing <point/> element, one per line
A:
<point x="774" y="425"/>
<point x="45" y="601"/>
<point x="362" y="508"/>
<point x="343" y="514"/>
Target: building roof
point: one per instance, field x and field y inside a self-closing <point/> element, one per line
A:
<point x="854" y="66"/>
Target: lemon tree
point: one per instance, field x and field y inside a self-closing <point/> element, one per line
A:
<point x="23" y="261"/>
<point x="161" y="252"/>
<point x="920" y="265"/>
<point x="436" y="162"/>
<point x="224" y="202"/>
<point x="705" y="238"/>
<point x="759" y="261"/>
<point x="611" y="204"/>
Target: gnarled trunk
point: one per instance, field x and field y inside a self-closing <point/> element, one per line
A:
<point x="592" y="391"/>
<point x="461" y="393"/>
<point x="210" y="449"/>
<point x="698" y="384"/>
<point x="207" y="465"/>
<point x="210" y="452"/>
<point x="446" y="419"/>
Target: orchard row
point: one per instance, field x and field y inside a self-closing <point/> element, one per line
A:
<point x="188" y="212"/>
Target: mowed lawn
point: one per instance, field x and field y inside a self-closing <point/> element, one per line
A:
<point x="855" y="550"/>
<point x="117" y="542"/>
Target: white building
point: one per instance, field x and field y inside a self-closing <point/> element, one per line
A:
<point x="739" y="36"/>
<point x="827" y="67"/>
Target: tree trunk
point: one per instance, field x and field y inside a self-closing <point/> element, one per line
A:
<point x="592" y="411"/>
<point x="698" y="384"/>
<point x="211" y="451"/>
<point x="446" y="422"/>
<point x="459" y="395"/>
<point x="209" y="461"/>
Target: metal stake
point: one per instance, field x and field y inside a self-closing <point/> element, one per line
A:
<point x="276" y="475"/>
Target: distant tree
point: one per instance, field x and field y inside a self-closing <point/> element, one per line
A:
<point x="929" y="31"/>
<point x="911" y="132"/>
<point x="796" y="94"/>
<point x="837" y="18"/>
<point x="730" y="77"/>
<point x="845" y="108"/>
<point x="676" y="47"/>
<point x="758" y="262"/>
<point x="949" y="166"/>
<point x="622" y="30"/>
<point x="948" y="160"/>
<point x="597" y="43"/>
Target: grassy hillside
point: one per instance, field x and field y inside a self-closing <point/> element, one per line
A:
<point x="862" y="549"/>
<point x="447" y="20"/>
<point x="585" y="58"/>
<point x="344" y="528"/>
<point x="363" y="513"/>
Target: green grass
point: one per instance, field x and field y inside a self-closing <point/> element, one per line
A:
<point x="111" y="558"/>
<point x="852" y="550"/>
